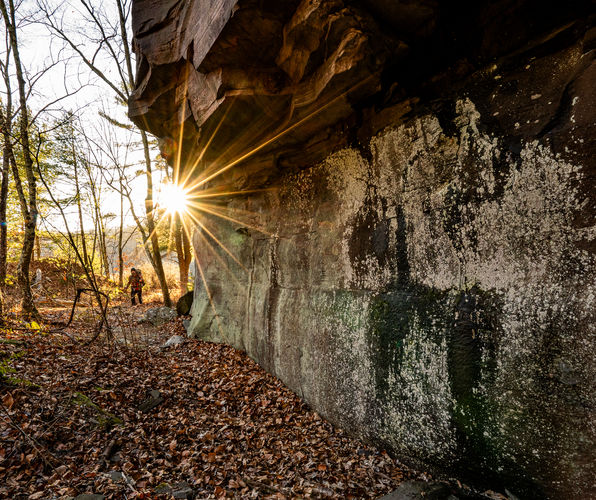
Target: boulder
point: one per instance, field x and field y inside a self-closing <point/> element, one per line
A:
<point x="184" y="303"/>
<point x="418" y="180"/>
<point x="157" y="316"/>
<point x="174" y="340"/>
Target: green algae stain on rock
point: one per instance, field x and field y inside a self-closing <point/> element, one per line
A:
<point x="409" y="343"/>
<point x="472" y="343"/>
<point x="434" y="367"/>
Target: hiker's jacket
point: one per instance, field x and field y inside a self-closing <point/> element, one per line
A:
<point x="136" y="282"/>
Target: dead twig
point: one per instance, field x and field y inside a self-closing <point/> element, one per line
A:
<point x="253" y="483"/>
<point x="36" y="445"/>
<point x="109" y="451"/>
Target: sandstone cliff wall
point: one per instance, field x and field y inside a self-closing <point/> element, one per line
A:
<point x="430" y="285"/>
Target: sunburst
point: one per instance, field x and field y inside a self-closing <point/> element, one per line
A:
<point x="190" y="200"/>
<point x="173" y="198"/>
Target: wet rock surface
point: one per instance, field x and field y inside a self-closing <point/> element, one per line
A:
<point x="422" y="267"/>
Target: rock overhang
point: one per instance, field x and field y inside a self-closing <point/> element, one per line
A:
<point x="281" y="83"/>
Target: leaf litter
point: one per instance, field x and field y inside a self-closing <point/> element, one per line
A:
<point x="223" y="427"/>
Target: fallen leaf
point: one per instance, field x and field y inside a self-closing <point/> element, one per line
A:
<point x="8" y="400"/>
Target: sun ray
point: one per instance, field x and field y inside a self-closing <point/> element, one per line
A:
<point x="190" y="170"/>
<point x="231" y="219"/>
<point x="177" y="163"/>
<point x="256" y="149"/>
<point x="215" y="131"/>
<point x="201" y="181"/>
<point x="223" y="247"/>
<point x="207" y="194"/>
<point x="221" y="260"/>
<point x="225" y="210"/>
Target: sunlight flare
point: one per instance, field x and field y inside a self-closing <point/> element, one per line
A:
<point x="174" y="198"/>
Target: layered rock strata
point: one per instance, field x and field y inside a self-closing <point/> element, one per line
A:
<point x="412" y="248"/>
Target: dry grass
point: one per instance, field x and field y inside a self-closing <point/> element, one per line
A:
<point x="60" y="282"/>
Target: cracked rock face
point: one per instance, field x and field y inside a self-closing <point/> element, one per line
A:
<point x="421" y="266"/>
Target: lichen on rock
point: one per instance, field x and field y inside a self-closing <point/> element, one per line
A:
<point x="416" y="256"/>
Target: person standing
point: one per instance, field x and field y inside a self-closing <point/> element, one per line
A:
<point x="136" y="283"/>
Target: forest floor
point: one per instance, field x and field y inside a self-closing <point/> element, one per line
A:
<point x="72" y="421"/>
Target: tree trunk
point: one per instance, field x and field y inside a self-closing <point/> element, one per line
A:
<point x="151" y="225"/>
<point x="99" y="225"/>
<point x="94" y="246"/>
<point x="27" y="305"/>
<point x="38" y="246"/>
<point x="79" y="207"/>
<point x="120" y="231"/>
<point x="104" y="253"/>
<point x="6" y="156"/>
<point x="103" y="248"/>
<point x="183" y="252"/>
<point x="4" y="193"/>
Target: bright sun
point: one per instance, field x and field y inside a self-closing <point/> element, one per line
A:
<point x="173" y="198"/>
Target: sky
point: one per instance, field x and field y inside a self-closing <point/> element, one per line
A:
<point x="39" y="50"/>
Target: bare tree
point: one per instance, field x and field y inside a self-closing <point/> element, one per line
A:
<point x="4" y="114"/>
<point x="75" y="165"/>
<point x="30" y="206"/>
<point x="120" y="237"/>
<point x="118" y="178"/>
<point x="93" y="167"/>
<point x="112" y="41"/>
<point x="6" y="121"/>
<point x="87" y="268"/>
